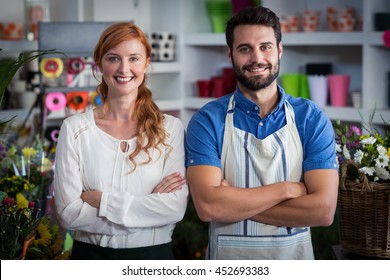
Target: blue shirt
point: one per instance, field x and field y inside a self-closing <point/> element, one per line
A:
<point x="205" y="131"/>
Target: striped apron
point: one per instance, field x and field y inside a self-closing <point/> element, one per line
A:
<point x="249" y="162"/>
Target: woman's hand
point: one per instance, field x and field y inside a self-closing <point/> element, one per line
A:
<point x="170" y="183"/>
<point x="225" y="183"/>
<point x="92" y="198"/>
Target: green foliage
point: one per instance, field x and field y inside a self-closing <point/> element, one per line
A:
<point x="10" y="66"/>
<point x="323" y="238"/>
<point x="190" y="237"/>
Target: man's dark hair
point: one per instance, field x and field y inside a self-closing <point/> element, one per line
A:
<point x="253" y="16"/>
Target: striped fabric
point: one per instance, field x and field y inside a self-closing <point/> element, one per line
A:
<point x="250" y="162"/>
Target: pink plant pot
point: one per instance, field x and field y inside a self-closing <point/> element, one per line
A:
<point x="338" y="89"/>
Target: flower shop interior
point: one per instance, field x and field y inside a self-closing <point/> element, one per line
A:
<point x="341" y="62"/>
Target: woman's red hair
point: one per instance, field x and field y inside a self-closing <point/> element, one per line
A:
<point x="150" y="127"/>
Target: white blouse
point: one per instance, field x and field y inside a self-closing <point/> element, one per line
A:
<point x="130" y="216"/>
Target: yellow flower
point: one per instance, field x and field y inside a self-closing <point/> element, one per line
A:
<point x="47" y="165"/>
<point x="44" y="234"/>
<point x="29" y="152"/>
<point x="57" y="246"/>
<point x="21" y="201"/>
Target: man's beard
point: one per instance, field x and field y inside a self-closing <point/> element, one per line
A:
<point x="259" y="82"/>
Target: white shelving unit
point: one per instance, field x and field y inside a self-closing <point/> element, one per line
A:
<point x="359" y="53"/>
<point x="202" y="54"/>
<point x="167" y="94"/>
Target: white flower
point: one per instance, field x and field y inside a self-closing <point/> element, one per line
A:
<point x="367" y="170"/>
<point x="338" y="148"/>
<point x="382" y="173"/>
<point x="367" y="141"/>
<point x="346" y="153"/>
<point x="382" y="161"/>
<point x="381" y="150"/>
<point x="358" y="156"/>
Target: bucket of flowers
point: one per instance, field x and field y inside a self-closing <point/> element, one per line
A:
<point x="25" y="177"/>
<point x="25" y="170"/>
<point x="364" y="191"/>
<point x="27" y="232"/>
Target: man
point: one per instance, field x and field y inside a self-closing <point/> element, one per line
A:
<point x="261" y="165"/>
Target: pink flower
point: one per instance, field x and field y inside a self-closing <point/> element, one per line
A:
<point x="31" y="204"/>
<point x="354" y="130"/>
<point x="386" y="38"/>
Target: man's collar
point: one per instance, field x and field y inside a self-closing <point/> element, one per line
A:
<point x="249" y="106"/>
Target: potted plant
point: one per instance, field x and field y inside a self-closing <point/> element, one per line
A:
<point x="9" y="67"/>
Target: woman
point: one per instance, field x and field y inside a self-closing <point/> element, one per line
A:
<point x="119" y="175"/>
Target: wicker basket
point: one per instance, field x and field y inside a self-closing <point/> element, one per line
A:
<point x="364" y="215"/>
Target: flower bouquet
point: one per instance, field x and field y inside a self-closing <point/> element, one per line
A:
<point x="26" y="233"/>
<point x="370" y="153"/>
<point x="18" y="224"/>
<point x="364" y="192"/>
<point x="26" y="171"/>
<point x="47" y="243"/>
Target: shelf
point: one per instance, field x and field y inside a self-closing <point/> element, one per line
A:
<point x="380" y="115"/>
<point x="168" y="105"/>
<point x="19" y="114"/>
<point x="18" y="45"/>
<point x="349" y="114"/>
<point x="323" y="38"/>
<point x="205" y="39"/>
<point x="164" y="67"/>
<point x="7" y="114"/>
<point x="196" y="102"/>
<point x="289" y="39"/>
<point x="375" y="39"/>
